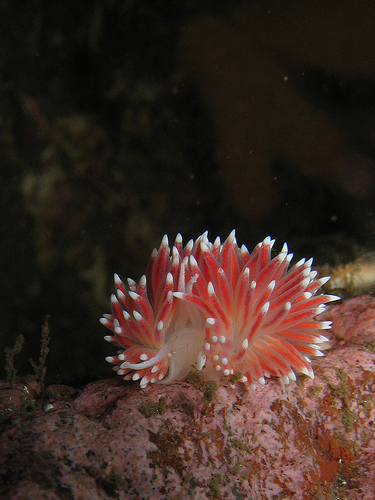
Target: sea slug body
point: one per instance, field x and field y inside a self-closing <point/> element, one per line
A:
<point x="221" y="309"/>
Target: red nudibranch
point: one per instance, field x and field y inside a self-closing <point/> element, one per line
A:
<point x="218" y="308"/>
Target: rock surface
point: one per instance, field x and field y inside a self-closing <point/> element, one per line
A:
<point x="312" y="439"/>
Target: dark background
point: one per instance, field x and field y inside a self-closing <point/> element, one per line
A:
<point x="114" y="130"/>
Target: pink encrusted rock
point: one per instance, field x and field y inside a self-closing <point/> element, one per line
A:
<point x="312" y="439"/>
<point x="353" y="319"/>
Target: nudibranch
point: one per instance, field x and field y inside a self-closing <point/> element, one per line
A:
<point x="221" y="309"/>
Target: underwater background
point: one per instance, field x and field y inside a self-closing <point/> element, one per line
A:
<point x="125" y="120"/>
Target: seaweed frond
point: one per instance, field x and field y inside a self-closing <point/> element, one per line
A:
<point x="10" y="353"/>
<point x="40" y="369"/>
